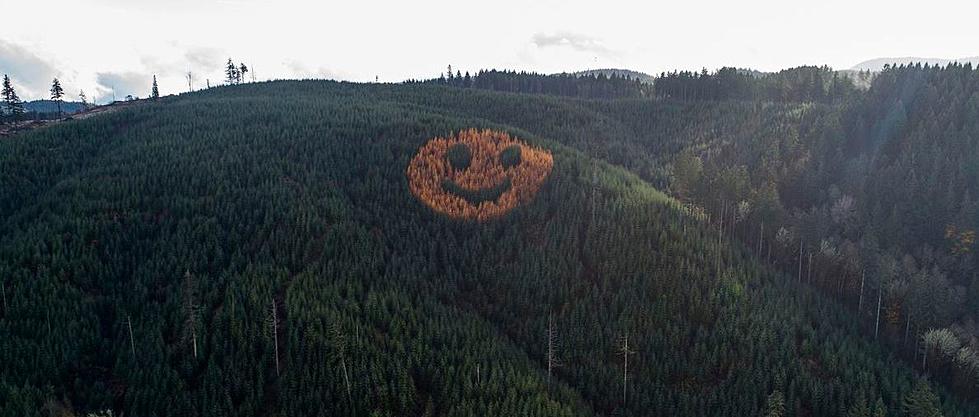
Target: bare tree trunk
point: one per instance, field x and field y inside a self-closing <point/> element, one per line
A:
<point x="552" y="361"/>
<point x="863" y="279"/>
<point x="132" y="340"/>
<point x="769" y="254"/>
<point x="625" y="352"/>
<point x="880" y="287"/>
<point x="799" y="279"/>
<point x="924" y="357"/>
<point x="907" y="327"/>
<point x="3" y="291"/>
<point x="761" y="237"/>
<point x="275" y="335"/>
<point x="809" y="273"/>
<point x="340" y="343"/>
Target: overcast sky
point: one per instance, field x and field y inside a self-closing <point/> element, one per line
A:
<point x="106" y="45"/>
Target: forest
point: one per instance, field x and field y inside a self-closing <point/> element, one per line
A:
<point x="711" y="245"/>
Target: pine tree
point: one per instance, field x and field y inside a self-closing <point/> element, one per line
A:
<point x="10" y="99"/>
<point x="155" y="92"/>
<point x="57" y="93"/>
<point x="921" y="402"/>
<point x="231" y="72"/>
<point x="242" y="70"/>
<point x="775" y="404"/>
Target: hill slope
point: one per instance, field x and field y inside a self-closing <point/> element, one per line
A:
<point x="255" y="250"/>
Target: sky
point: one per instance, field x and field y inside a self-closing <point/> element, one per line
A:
<point x="111" y="48"/>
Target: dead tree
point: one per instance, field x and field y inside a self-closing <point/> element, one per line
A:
<point x="761" y="238"/>
<point x="625" y="351"/>
<point x="191" y="312"/>
<point x="809" y="268"/>
<point x="880" y="287"/>
<point x="3" y="291"/>
<point x="863" y="278"/>
<point x="132" y="340"/>
<point x="800" y="261"/>
<point x="274" y="327"/>
<point x="340" y="343"/>
<point x="190" y="81"/>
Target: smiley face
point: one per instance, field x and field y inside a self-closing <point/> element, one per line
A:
<point x="477" y="174"/>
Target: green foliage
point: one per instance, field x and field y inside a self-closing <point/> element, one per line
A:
<point x="775" y="405"/>
<point x="921" y="402"/>
<point x="293" y="195"/>
<point x="459" y="156"/>
<point x="510" y="157"/>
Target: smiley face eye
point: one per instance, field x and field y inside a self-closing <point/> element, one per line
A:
<point x="459" y="156"/>
<point x="510" y="157"/>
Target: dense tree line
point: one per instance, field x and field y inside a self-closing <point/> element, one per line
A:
<point x="570" y="85"/>
<point x="800" y="84"/>
<point x="256" y="250"/>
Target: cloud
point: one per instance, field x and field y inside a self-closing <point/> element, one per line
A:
<point x="122" y="84"/>
<point x="575" y="41"/>
<point x="300" y="70"/>
<point x="205" y="59"/>
<point x="30" y="73"/>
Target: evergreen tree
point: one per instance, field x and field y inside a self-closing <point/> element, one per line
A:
<point x="10" y="100"/>
<point x="155" y="92"/>
<point x="242" y="71"/>
<point x="775" y="404"/>
<point x="57" y="93"/>
<point x="921" y="402"/>
<point x="231" y="73"/>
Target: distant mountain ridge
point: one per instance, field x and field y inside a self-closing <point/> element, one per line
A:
<point x="877" y="64"/>
<point x="51" y="106"/>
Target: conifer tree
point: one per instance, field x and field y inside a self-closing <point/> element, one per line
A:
<point x="57" y="93"/>
<point x="242" y="70"/>
<point x="11" y="102"/>
<point x="155" y="92"/>
<point x="921" y="402"/>
<point x="231" y="72"/>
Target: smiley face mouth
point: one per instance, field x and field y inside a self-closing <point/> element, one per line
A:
<point x="475" y="197"/>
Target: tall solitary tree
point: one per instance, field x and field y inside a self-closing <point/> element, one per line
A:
<point x="242" y="70"/>
<point x="10" y="99"/>
<point x="57" y="93"/>
<point x="155" y="92"/>
<point x="231" y="72"/>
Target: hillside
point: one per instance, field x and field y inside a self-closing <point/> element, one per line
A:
<point x="258" y="250"/>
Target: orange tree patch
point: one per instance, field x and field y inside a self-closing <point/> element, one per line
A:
<point x="477" y="174"/>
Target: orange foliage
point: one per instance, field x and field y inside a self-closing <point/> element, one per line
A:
<point x="430" y="167"/>
<point x="961" y="240"/>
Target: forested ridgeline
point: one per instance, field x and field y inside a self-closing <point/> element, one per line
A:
<point x="598" y="86"/>
<point x="871" y="199"/>
<point x="255" y="250"/>
<point x="795" y="85"/>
